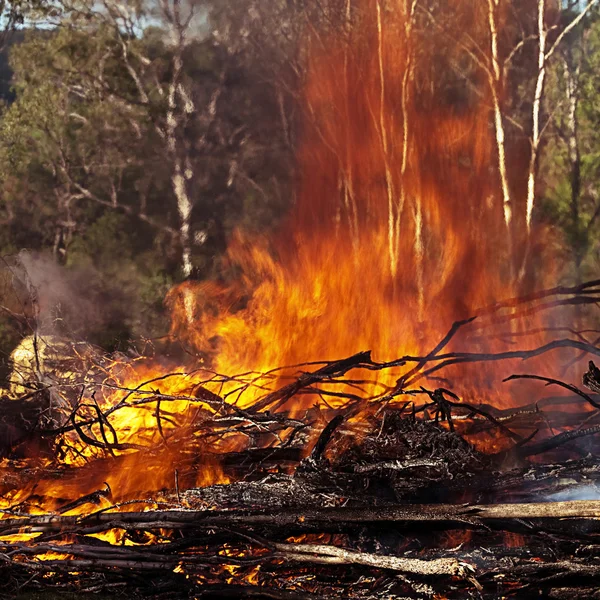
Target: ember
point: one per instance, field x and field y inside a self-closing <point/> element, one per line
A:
<point x="353" y="417"/>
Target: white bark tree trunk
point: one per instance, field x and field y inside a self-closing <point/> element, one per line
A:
<point x="571" y="74"/>
<point x="544" y="55"/>
<point x="179" y="107"/>
<point x="496" y="80"/>
<point x="537" y="103"/>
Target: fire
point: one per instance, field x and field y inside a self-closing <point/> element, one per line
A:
<point x="398" y="229"/>
<point x="143" y="408"/>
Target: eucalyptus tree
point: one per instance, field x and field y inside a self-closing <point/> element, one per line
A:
<point x="570" y="159"/>
<point x="139" y="108"/>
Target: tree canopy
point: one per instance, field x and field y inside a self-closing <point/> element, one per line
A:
<point x="137" y="136"/>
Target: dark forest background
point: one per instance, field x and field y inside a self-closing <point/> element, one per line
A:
<point x="135" y="137"/>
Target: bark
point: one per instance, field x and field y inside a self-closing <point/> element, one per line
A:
<point x="537" y="102"/>
<point x="572" y="130"/>
<point x="496" y="82"/>
<point x="330" y="555"/>
<point x="182" y="171"/>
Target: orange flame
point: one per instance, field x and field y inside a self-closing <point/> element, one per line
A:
<point x="398" y="230"/>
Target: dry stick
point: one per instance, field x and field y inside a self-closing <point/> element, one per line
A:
<point x="302" y="519"/>
<point x="507" y="414"/>
<point x="578" y="333"/>
<point x="576" y="359"/>
<point x="549" y="381"/>
<point x="532" y="310"/>
<point x="323" y="554"/>
<point x="95" y="564"/>
<point x="204" y="397"/>
<point x="325" y="437"/>
<point x="158" y="420"/>
<point x="396" y="465"/>
<point x="325" y="393"/>
<point x="401" y="383"/>
<point x="313" y="553"/>
<point x="105" y="446"/>
<point x="438" y="397"/>
<point x="473" y="357"/>
<point x="93" y="498"/>
<point x="556" y="441"/>
<point x="109" y="551"/>
<point x="360" y="360"/>
<point x="102" y="421"/>
<point x="584" y="288"/>
<point x="330" y="370"/>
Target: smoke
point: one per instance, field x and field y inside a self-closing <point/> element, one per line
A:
<point x="577" y="492"/>
<point x="79" y="303"/>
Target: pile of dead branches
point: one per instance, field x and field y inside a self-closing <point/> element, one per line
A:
<point x="336" y="527"/>
<point x="409" y="491"/>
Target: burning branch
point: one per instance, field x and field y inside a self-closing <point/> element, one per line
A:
<point x="288" y="489"/>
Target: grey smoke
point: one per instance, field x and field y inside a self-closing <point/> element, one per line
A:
<point x="74" y="302"/>
<point x="577" y="492"/>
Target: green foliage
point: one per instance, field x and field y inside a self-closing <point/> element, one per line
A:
<point x="570" y="166"/>
<point x="87" y="163"/>
<point x="107" y="237"/>
<point x="86" y="167"/>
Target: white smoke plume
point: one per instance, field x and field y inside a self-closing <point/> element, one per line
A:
<point x="78" y="303"/>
